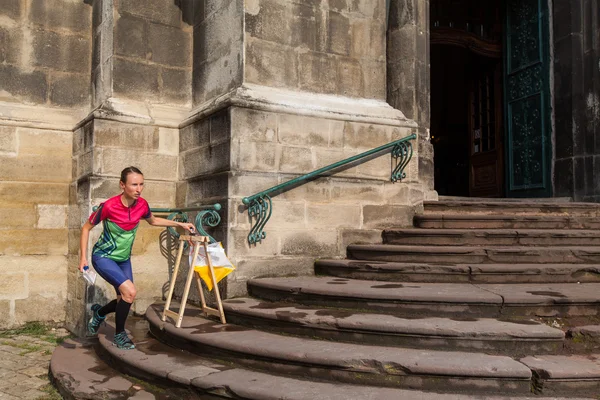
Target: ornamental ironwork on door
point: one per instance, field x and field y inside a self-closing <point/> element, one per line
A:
<point x="527" y="97"/>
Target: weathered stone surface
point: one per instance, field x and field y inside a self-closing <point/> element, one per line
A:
<point x="42" y="192"/>
<point x="53" y="144"/>
<point x="565" y="367"/>
<point x="126" y="136"/>
<point x="51" y="216"/>
<point x="255" y="126"/>
<point x="350" y="78"/>
<point x="75" y="16"/>
<point x="70" y="90"/>
<point x="40" y="308"/>
<point x="339" y="41"/>
<point x="10" y="44"/>
<point x="355" y="191"/>
<point x="256" y="156"/>
<point x="257" y="267"/>
<point x="13" y="286"/>
<point x="374" y="79"/>
<point x="333" y="216"/>
<point x="61" y="52"/>
<point x="270" y="65"/>
<point x="205" y="160"/>
<point x="314" y="243"/>
<point x="133" y="79"/>
<point x="176" y="86"/>
<point x="168" y="141"/>
<point x="300" y="130"/>
<point x="22" y="86"/>
<point x="169" y="46"/>
<point x="130" y="37"/>
<point x="53" y="168"/>
<point x="155" y="166"/>
<point x="17" y="216"/>
<point x="12" y="8"/>
<point x="588" y="330"/>
<point x="48" y="284"/>
<point x="8" y="140"/>
<point x="365" y="136"/>
<point x="383" y="216"/>
<point x="154" y="10"/>
<point x="317" y="72"/>
<point x="14" y="242"/>
<point x="270" y="23"/>
<point x="218" y="51"/>
<point x="295" y="160"/>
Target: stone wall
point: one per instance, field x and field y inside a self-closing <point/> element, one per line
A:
<point x="329" y="46"/>
<point x="45" y="57"/>
<point x="408" y="83"/>
<point x="577" y="99"/>
<point x="318" y="219"/>
<point x="313" y="93"/>
<point x="34" y="186"/>
<point x="218" y="48"/>
<point x="45" y="52"/>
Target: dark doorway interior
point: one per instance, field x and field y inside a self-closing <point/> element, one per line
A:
<point x="449" y="124"/>
<point x="466" y="97"/>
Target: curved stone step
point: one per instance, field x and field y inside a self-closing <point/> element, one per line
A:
<point x="79" y="366"/>
<point x="471" y="254"/>
<point x="565" y="374"/>
<point x="434" y="299"/>
<point x="492" y="237"/>
<point x="489" y="335"/>
<point x="456" y="221"/>
<point x="78" y="373"/>
<point x="513" y="207"/>
<point x="457" y="273"/>
<point x="352" y="363"/>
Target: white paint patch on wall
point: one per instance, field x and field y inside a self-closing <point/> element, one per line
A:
<point x="593" y="107"/>
<point x="252" y="7"/>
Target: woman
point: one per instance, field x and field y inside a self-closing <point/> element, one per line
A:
<point x="120" y="215"/>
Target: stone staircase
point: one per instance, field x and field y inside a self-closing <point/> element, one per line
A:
<point x="481" y="300"/>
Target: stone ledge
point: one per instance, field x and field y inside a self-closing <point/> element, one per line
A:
<point x="39" y="116"/>
<point x="135" y="112"/>
<point x="342" y="108"/>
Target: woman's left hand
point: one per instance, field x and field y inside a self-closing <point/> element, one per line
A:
<point x="188" y="226"/>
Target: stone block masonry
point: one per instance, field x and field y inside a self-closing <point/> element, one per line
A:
<point x="44" y="45"/>
<point x="34" y="198"/>
<point x="252" y="149"/>
<point x="214" y="101"/>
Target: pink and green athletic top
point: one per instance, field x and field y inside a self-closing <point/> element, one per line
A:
<point x="120" y="225"/>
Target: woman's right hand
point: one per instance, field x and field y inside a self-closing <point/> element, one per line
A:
<point x="82" y="264"/>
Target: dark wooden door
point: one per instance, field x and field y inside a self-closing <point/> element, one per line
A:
<point x="527" y="94"/>
<point x="485" y="127"/>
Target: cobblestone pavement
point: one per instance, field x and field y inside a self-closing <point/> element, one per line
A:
<point x="24" y="359"/>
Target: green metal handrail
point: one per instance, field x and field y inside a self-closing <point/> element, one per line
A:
<point x="259" y="204"/>
<point x="207" y="216"/>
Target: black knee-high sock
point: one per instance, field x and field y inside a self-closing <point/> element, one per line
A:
<point x="108" y="308"/>
<point x="122" y="311"/>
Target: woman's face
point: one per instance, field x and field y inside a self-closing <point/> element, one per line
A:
<point x="134" y="186"/>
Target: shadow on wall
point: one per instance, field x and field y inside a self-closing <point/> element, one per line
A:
<point x="93" y="294"/>
<point x="187" y="9"/>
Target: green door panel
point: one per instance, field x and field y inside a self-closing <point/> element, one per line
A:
<point x="527" y="99"/>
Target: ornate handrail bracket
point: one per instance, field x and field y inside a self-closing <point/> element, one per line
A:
<point x="208" y="216"/>
<point x="402" y="154"/>
<point x="260" y="206"/>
